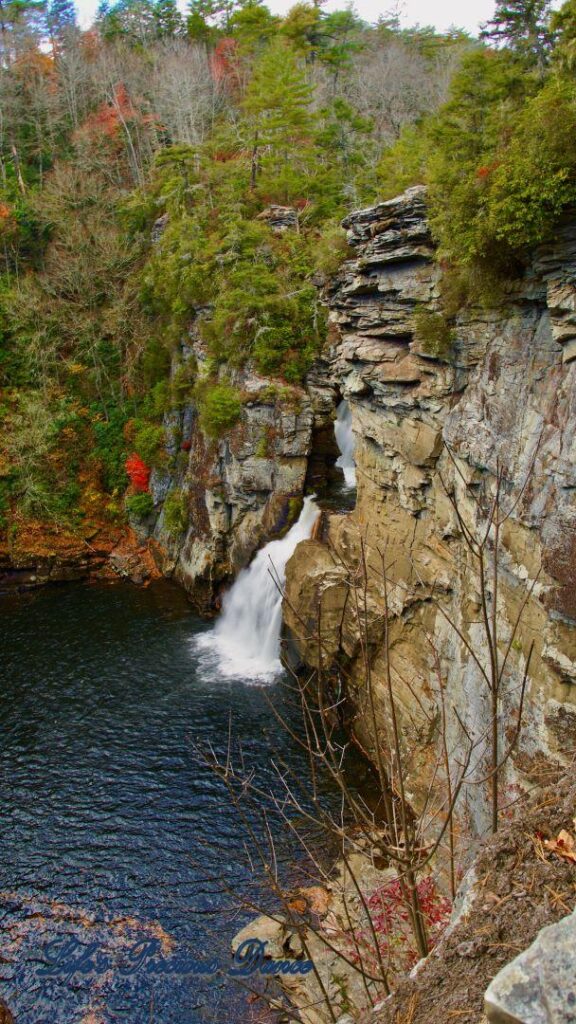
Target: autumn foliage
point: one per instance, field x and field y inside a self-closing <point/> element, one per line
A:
<point x="223" y="63"/>
<point x="391" y="922"/>
<point x="138" y="472"/>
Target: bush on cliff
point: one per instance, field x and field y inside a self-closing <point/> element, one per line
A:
<point x="175" y="512"/>
<point x="140" y="506"/>
<point x="433" y="334"/>
<point x="149" y="442"/>
<point x="220" y="408"/>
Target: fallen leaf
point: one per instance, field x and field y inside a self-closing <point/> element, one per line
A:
<point x="298" y="905"/>
<point x="564" y="846"/>
<point x="318" y="899"/>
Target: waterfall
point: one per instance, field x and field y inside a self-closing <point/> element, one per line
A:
<point x="245" y="642"/>
<point x="346" y="443"/>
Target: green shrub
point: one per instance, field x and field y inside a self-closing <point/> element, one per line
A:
<point x="331" y="250"/>
<point x="499" y="159"/>
<point x="502" y="164"/>
<point x="182" y="384"/>
<point x="159" y="400"/>
<point x="140" y="506"/>
<point x="110" y="447"/>
<point x="433" y="334"/>
<point x="220" y="408"/>
<point x="175" y="512"/>
<point x="263" y="447"/>
<point x="149" y="442"/>
<point x="535" y="176"/>
<point x="404" y="164"/>
<point x="65" y="502"/>
<point x="155" y="362"/>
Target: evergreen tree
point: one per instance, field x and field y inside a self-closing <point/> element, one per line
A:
<point x="303" y="27"/>
<point x="132" y="20"/>
<point x="168" y="19"/>
<point x="563" y="27"/>
<point x="278" y="115"/>
<point x="522" y="26"/>
<point x="206" y="17"/>
<point x="61" y="18"/>
<point x="252" y="26"/>
<point x="22" y="24"/>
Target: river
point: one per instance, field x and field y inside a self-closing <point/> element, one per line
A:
<point x="112" y="830"/>
<point x="123" y="865"/>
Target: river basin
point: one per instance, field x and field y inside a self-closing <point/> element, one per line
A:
<point x="117" y="842"/>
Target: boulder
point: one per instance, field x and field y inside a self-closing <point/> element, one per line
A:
<point x="539" y="986"/>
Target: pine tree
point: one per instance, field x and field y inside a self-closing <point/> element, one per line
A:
<point x="252" y="25"/>
<point x="132" y="20"/>
<point x="277" y="112"/>
<point x="168" y="19"/>
<point x="61" y="19"/>
<point x="522" y="26"/>
<point x="563" y="27"/>
<point x="22" y="24"/>
<point x="205" y="17"/>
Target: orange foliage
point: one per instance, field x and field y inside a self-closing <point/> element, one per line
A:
<point x="91" y="44"/>
<point x="33" y="62"/>
<point x="484" y="172"/>
<point x="108" y="118"/>
<point x="223" y="64"/>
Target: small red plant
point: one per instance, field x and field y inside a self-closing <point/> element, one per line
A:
<point x="484" y="172"/>
<point x="224" y="64"/>
<point x="391" y="923"/>
<point x="138" y="472"/>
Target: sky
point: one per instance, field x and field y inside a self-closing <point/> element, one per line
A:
<point x="442" y="14"/>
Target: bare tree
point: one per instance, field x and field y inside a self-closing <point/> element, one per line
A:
<point x="395" y="84"/>
<point x="184" y="94"/>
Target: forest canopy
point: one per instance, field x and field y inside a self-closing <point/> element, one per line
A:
<point x="141" y="163"/>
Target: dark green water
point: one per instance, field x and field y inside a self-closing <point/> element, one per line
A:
<point x="111" y="829"/>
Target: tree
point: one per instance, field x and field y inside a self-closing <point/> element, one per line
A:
<point x="563" y="28"/>
<point x="522" y="26"/>
<point x="206" y="18"/>
<point x="133" y="20"/>
<point x="302" y="27"/>
<point x="277" y="110"/>
<point x="22" y="25"/>
<point x="252" y="25"/>
<point x="168" y="19"/>
<point x="61" y="20"/>
<point x="330" y="38"/>
<point x="184" y="92"/>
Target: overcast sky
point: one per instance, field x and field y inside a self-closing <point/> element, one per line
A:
<point x="461" y="13"/>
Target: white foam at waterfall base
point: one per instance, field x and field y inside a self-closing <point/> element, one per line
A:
<point x="245" y="642"/>
<point x="346" y="443"/>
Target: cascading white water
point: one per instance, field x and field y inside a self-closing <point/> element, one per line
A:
<point x="245" y="642"/>
<point x="346" y="443"/>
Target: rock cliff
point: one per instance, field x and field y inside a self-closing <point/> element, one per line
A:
<point x="440" y="415"/>
<point x="243" y="489"/>
<point x="454" y="415"/>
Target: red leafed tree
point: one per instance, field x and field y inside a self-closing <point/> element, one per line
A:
<point x="223" y="64"/>
<point x="138" y="472"/>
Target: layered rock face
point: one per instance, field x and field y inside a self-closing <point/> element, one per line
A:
<point x="437" y="424"/>
<point x="239" y="491"/>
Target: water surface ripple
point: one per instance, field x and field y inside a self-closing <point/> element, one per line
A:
<point x="106" y="809"/>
